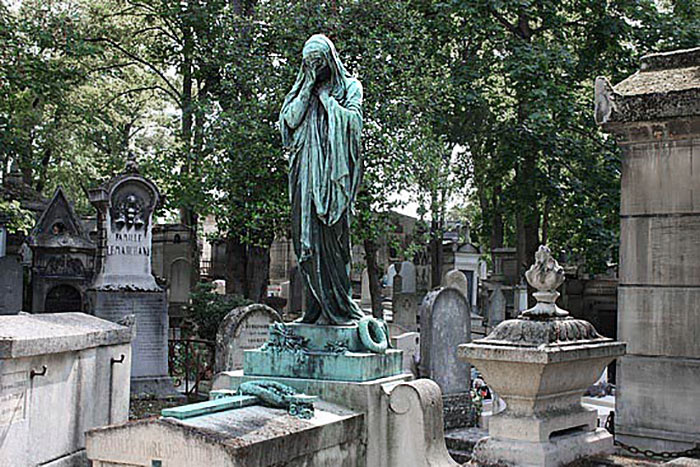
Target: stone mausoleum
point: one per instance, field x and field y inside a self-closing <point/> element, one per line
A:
<point x="655" y="115"/>
<point x="62" y="259"/>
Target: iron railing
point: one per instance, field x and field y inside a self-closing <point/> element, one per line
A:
<point x="190" y="364"/>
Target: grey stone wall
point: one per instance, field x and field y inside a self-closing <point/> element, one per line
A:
<point x="655" y="115"/>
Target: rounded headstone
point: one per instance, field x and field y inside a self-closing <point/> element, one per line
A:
<point x="243" y="328"/>
<point x="457" y="280"/>
<point x="445" y="318"/>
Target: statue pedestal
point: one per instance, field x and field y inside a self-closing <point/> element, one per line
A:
<point x="321" y="353"/>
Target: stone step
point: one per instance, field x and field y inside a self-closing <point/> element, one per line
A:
<point x="463" y="439"/>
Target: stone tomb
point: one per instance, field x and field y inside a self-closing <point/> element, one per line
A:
<point x="252" y="436"/>
<point x="446" y="323"/>
<point x="243" y="328"/>
<point x="655" y="114"/>
<point x="124" y="283"/>
<point x="62" y="259"/>
<point x="60" y="374"/>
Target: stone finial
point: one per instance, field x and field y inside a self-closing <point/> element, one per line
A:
<point x="132" y="166"/>
<point x="546" y="275"/>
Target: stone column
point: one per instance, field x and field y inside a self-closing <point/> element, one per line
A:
<point x="655" y="115"/>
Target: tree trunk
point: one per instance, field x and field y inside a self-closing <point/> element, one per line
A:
<point x="257" y="272"/>
<point x="373" y="275"/>
<point x="236" y="258"/>
<point x="435" y="254"/>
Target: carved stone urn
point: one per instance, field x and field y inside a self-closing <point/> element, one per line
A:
<point x="541" y="364"/>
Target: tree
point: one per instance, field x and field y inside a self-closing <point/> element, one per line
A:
<point x="541" y="168"/>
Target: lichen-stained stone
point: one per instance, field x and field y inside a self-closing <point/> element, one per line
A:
<point x="253" y="436"/>
<point x="655" y="116"/>
<point x="243" y="328"/>
<point x="540" y="364"/>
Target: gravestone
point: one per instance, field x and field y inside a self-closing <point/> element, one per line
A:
<point x="497" y="307"/>
<point x="407" y="271"/>
<point x="365" y="296"/>
<point x="405" y="310"/>
<point x="243" y="328"/>
<point x="445" y="318"/>
<point x="457" y="280"/>
<point x="180" y="272"/>
<point x="124" y="283"/>
<point x="409" y="343"/>
<point x="11" y="284"/>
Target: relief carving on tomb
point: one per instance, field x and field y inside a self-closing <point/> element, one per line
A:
<point x="129" y="212"/>
<point x="64" y="265"/>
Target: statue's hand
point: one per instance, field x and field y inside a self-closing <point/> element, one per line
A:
<point x="310" y="73"/>
<point x="324" y="93"/>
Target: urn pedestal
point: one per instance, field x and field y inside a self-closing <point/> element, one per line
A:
<point x="541" y="364"/>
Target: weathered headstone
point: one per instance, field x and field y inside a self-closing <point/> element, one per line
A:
<point x="457" y="280"/>
<point x="497" y="307"/>
<point x="124" y="284"/>
<point x="409" y="342"/>
<point x="365" y="296"/>
<point x="60" y="374"/>
<point x="445" y="323"/>
<point x="405" y="310"/>
<point x="11" y="284"/>
<point x="243" y="328"/>
<point x="407" y="271"/>
<point x="445" y="317"/>
<point x="180" y="273"/>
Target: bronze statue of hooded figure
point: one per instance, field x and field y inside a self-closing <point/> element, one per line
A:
<point x="321" y="122"/>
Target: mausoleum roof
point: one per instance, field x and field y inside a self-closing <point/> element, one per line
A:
<point x="666" y="86"/>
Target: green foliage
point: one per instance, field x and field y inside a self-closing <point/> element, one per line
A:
<point x="194" y="89"/>
<point x="17" y="220"/>
<point x="207" y="309"/>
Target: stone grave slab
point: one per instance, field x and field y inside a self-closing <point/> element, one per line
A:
<point x="248" y="436"/>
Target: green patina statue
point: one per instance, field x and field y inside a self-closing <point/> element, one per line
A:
<point x="321" y="122"/>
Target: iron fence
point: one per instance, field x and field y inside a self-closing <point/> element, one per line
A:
<point x="190" y="364"/>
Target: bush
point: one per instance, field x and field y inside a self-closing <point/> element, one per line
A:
<point x="208" y="309"/>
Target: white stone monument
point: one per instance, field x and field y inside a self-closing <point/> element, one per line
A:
<point x="60" y="374"/>
<point x="124" y="283"/>
<point x="541" y="364"/>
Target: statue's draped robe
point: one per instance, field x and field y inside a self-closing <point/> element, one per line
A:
<point x="325" y="170"/>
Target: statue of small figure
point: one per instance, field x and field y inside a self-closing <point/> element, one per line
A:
<point x="321" y="122"/>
